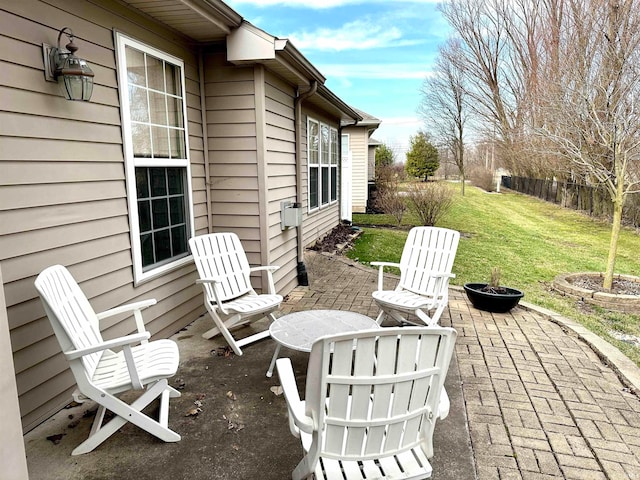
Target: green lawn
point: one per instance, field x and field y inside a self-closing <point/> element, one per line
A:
<point x="531" y="241"/>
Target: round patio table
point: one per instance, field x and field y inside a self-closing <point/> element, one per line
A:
<point x="299" y="330"/>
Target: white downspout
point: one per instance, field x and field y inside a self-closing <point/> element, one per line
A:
<point x="303" y="278"/>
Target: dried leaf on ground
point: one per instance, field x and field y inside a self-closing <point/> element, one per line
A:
<point x="193" y="412"/>
<point x="56" y="438"/>
<point x="226" y="352"/>
<point x="234" y="426"/>
<point x="74" y="424"/>
<point x="277" y="390"/>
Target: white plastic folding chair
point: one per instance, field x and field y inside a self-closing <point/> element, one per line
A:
<point x="425" y="269"/>
<point x="100" y="372"/>
<point x="372" y="399"/>
<point x="229" y="297"/>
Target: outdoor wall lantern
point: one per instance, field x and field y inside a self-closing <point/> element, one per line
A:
<point x="72" y="73"/>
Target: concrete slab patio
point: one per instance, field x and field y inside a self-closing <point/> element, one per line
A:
<point x="531" y="399"/>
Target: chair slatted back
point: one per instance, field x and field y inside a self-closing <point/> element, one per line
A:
<point x="427" y="250"/>
<point x="222" y="255"/>
<point x="378" y="391"/>
<point x="70" y="313"/>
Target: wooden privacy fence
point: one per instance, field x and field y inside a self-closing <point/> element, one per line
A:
<point x="589" y="199"/>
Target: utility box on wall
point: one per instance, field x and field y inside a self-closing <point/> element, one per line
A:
<point x="290" y="215"/>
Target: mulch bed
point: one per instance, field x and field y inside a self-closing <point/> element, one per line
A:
<point x="340" y="236"/>
<point x="619" y="287"/>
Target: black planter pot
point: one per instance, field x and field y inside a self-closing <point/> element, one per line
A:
<point x="492" y="302"/>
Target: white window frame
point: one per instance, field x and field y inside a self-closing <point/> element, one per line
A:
<point x="329" y="160"/>
<point x="140" y="275"/>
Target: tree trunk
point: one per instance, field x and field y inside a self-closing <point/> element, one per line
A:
<point x="618" y="203"/>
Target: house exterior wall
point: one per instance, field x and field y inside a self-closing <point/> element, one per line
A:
<point x="63" y="193"/>
<point x="359" y="144"/>
<point x="233" y="157"/>
<point x="280" y="161"/>
<point x="62" y="187"/>
<point x="251" y="141"/>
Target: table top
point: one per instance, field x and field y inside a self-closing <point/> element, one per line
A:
<point x="299" y="330"/>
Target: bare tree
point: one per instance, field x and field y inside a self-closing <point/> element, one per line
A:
<point x="443" y="105"/>
<point x="592" y="116"/>
<point x="507" y="47"/>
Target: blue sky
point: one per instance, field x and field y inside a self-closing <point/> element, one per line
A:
<point x="374" y="53"/>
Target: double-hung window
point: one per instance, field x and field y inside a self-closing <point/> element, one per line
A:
<point x="322" y="146"/>
<point x="152" y="95"/>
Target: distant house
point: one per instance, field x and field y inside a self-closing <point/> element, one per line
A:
<point x="357" y="152"/>
<point x="199" y="122"/>
<point x="371" y="180"/>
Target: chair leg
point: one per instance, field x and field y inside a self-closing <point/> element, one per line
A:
<point x="233" y="321"/>
<point x="273" y="360"/>
<point x="130" y="413"/>
<point x="97" y="421"/>
<point x="428" y="321"/>
<point x="436" y="315"/>
<point x="221" y="327"/>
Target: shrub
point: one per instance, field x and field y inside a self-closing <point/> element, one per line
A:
<point x="386" y="179"/>
<point x="483" y="178"/>
<point x="391" y="202"/>
<point x="430" y="201"/>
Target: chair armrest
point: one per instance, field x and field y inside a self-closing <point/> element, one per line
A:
<point x="442" y="275"/>
<point x="116" y="342"/>
<point x="209" y="280"/>
<point x="385" y="264"/>
<point x="136" y="308"/>
<point x="126" y="308"/>
<point x="381" y="266"/>
<point x="295" y="405"/>
<point x="215" y="285"/>
<point x="269" y="269"/>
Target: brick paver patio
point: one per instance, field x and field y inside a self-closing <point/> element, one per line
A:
<point x="540" y="403"/>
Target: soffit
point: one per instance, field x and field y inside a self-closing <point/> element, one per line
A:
<point x="201" y="20"/>
<point x="206" y="21"/>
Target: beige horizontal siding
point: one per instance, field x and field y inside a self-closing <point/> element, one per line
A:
<point x="62" y="186"/>
<point x="280" y="128"/>
<point x="233" y="159"/>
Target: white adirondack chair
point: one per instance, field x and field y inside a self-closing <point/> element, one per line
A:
<point x="425" y="270"/>
<point x="100" y="372"/>
<point x="229" y="297"/>
<point x="372" y="399"/>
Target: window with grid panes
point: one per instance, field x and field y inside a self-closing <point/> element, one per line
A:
<point x="322" y="146"/>
<point x="156" y="154"/>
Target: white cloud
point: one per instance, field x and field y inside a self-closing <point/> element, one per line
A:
<point x="356" y="35"/>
